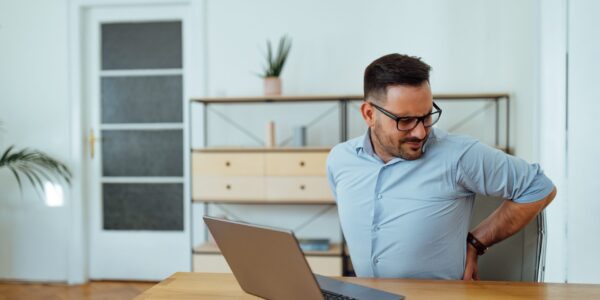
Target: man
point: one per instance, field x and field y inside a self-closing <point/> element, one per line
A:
<point x="405" y="190"/>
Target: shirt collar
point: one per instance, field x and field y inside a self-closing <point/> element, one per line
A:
<point x="366" y="145"/>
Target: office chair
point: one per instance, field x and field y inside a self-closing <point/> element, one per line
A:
<point x="518" y="258"/>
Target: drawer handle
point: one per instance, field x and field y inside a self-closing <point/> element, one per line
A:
<point x="228" y="186"/>
<point x="302" y="163"/>
<point x="302" y="187"/>
<point x="227" y="164"/>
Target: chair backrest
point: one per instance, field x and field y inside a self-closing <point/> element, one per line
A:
<point x="518" y="258"/>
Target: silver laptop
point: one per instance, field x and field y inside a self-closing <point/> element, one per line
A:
<point x="268" y="263"/>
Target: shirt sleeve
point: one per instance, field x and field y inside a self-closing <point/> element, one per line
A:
<point x="491" y="172"/>
<point x="331" y="181"/>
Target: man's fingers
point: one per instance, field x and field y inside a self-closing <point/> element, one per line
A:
<point x="468" y="273"/>
<point x="466" y="276"/>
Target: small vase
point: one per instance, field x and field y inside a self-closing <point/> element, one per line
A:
<point x="272" y="86"/>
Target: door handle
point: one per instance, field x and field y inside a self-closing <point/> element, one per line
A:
<point x="92" y="140"/>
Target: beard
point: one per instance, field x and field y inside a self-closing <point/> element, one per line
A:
<point x="409" y="148"/>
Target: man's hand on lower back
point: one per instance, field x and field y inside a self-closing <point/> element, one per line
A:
<point x="471" y="264"/>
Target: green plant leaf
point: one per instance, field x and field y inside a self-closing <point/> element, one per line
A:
<point x="284" y="48"/>
<point x="16" y="177"/>
<point x="276" y="60"/>
<point x="36" y="166"/>
<point x="35" y="180"/>
<point x="269" y="58"/>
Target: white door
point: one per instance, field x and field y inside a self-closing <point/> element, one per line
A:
<point x="137" y="114"/>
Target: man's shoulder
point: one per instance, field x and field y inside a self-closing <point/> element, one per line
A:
<point x="450" y="146"/>
<point x="345" y="149"/>
<point x="454" y="140"/>
<point x="349" y="145"/>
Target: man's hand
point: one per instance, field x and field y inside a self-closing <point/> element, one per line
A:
<point x="471" y="264"/>
<point x="509" y="218"/>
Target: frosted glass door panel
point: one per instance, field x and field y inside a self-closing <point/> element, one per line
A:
<point x="143" y="99"/>
<point x="143" y="206"/>
<point x="142" y="153"/>
<point x="148" y="45"/>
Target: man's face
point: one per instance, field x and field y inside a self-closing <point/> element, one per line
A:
<point x="402" y="101"/>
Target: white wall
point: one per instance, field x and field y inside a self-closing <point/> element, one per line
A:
<point x="553" y="138"/>
<point x="568" y="148"/>
<point x="472" y="45"/>
<point x="34" y="111"/>
<point x="583" y="223"/>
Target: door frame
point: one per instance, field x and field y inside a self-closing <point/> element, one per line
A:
<point x="552" y="130"/>
<point x="194" y="54"/>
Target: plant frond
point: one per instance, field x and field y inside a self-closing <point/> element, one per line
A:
<point x="276" y="60"/>
<point x="5" y="154"/>
<point x="17" y="177"/>
<point x="36" y="166"/>
<point x="34" y="180"/>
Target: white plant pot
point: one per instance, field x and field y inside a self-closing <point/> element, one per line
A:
<point x="272" y="86"/>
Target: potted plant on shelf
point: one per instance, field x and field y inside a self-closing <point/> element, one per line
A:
<point x="274" y="65"/>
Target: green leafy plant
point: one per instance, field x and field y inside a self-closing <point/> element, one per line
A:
<point x="34" y="165"/>
<point x="276" y="61"/>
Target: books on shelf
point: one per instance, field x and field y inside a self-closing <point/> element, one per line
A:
<point x="314" y="244"/>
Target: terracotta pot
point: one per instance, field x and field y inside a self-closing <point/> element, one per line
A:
<point x="272" y="86"/>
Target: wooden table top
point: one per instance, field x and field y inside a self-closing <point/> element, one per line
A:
<point x="224" y="286"/>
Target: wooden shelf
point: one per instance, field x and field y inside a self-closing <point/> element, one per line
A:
<point x="260" y="149"/>
<point x="467" y="96"/>
<point x="267" y="202"/>
<point x="280" y="99"/>
<point x="212" y="248"/>
<point x="321" y="98"/>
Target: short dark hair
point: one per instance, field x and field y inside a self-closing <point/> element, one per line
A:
<point x="394" y="69"/>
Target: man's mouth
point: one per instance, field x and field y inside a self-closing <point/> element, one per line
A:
<point x="415" y="145"/>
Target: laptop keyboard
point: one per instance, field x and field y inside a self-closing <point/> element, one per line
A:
<point x="327" y="295"/>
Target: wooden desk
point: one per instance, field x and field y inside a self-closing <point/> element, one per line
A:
<point x="224" y="286"/>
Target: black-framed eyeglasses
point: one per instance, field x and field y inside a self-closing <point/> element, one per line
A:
<point x="410" y="123"/>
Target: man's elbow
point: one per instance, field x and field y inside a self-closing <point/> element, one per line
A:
<point x="550" y="197"/>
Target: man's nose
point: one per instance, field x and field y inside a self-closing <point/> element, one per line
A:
<point x="420" y="131"/>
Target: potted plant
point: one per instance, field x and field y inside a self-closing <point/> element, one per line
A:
<point x="274" y="66"/>
<point x="34" y="165"/>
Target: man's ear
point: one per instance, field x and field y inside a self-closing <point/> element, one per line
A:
<point x="368" y="114"/>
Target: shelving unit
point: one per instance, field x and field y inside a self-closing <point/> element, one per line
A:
<point x="271" y="176"/>
<point x="282" y="176"/>
<point x="208" y="258"/>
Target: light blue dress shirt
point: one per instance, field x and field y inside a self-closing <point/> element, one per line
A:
<point x="410" y="218"/>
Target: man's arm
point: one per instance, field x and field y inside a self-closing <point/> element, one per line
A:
<point x="330" y="178"/>
<point x="505" y="221"/>
<point x="487" y="171"/>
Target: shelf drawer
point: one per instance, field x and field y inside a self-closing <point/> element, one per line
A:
<point x="228" y="164"/>
<point x="306" y="188"/>
<point x="210" y="188"/>
<point x="296" y="163"/>
<point x="326" y="266"/>
<point x="216" y="263"/>
<point x="210" y="263"/>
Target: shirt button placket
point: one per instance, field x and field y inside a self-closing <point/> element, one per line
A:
<point x="377" y="210"/>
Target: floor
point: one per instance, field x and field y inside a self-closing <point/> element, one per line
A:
<point x="96" y="290"/>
